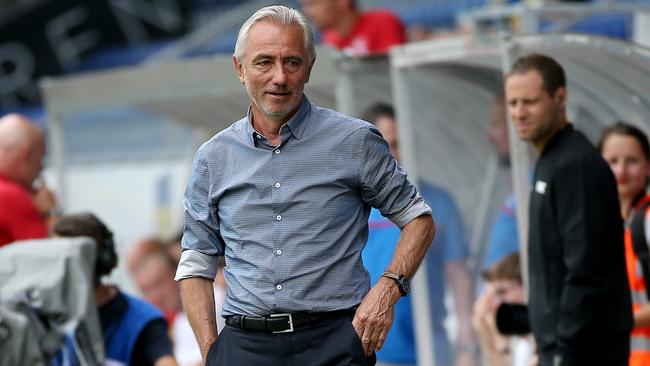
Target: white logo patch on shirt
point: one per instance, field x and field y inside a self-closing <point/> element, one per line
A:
<point x="540" y="187"/>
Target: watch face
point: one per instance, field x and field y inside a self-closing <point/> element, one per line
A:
<point x="406" y="284"/>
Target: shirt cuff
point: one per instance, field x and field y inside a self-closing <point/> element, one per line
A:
<point x="416" y="208"/>
<point x="196" y="264"/>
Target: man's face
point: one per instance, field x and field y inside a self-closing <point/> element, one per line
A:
<point x="323" y="13"/>
<point x="32" y="161"/>
<point x="498" y="128"/>
<point x="535" y="113"/>
<point x="156" y="281"/>
<point x="388" y="129"/>
<point x="275" y="68"/>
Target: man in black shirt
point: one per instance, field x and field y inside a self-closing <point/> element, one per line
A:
<point x="579" y="301"/>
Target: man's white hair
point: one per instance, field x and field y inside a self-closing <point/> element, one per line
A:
<point x="280" y="15"/>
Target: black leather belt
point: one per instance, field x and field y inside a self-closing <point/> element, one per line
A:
<point x="282" y="323"/>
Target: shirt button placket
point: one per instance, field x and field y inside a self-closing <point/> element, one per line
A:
<point x="277" y="200"/>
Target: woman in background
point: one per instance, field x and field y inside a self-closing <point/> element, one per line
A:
<point x="626" y="150"/>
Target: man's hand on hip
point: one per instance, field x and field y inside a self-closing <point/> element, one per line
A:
<point x="374" y="317"/>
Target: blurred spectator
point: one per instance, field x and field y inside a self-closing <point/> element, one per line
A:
<point x="22" y="147"/>
<point x="356" y="33"/>
<point x="503" y="284"/>
<point x="141" y="250"/>
<point x="449" y="251"/>
<point x="627" y="151"/>
<point x="153" y="270"/>
<point x="503" y="238"/>
<point x="135" y="333"/>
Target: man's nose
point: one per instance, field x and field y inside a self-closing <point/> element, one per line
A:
<point x="279" y="75"/>
<point x="519" y="111"/>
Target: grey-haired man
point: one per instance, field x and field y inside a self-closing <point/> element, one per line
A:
<point x="284" y="194"/>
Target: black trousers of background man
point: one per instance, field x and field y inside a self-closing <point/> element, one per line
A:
<point x="328" y="342"/>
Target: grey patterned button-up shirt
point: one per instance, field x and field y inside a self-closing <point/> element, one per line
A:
<point x="291" y="220"/>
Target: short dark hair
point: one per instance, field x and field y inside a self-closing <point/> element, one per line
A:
<point x="624" y="128"/>
<point x="506" y="268"/>
<point x="87" y="224"/>
<point x="378" y="110"/>
<point x="551" y="71"/>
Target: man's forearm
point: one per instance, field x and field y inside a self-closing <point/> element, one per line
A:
<point x="415" y="239"/>
<point x="374" y="316"/>
<point x="198" y="303"/>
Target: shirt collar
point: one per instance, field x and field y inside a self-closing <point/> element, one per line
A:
<point x="557" y="136"/>
<point x="296" y="124"/>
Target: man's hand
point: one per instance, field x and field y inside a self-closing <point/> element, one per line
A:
<point x="374" y="316"/>
<point x="44" y="199"/>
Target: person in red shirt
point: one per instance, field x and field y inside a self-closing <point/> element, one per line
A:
<point x="22" y="147"/>
<point x="354" y="32"/>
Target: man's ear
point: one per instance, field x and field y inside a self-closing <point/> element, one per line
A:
<point x="560" y="96"/>
<point x="239" y="68"/>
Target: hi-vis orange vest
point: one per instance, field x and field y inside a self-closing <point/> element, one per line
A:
<point x="640" y="337"/>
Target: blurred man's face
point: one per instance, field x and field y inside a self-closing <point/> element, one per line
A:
<point x="155" y="278"/>
<point x="322" y="13"/>
<point x="535" y="113"/>
<point x="498" y="128"/>
<point x="388" y="128"/>
<point x="31" y="157"/>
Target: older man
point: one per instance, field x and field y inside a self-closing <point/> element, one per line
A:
<point x="284" y="194"/>
<point x="22" y="147"/>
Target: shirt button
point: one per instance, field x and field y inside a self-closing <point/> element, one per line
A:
<point x="277" y="151"/>
<point x="259" y="136"/>
<point x="278" y="252"/>
<point x="278" y="217"/>
<point x="277" y="185"/>
<point x="279" y="287"/>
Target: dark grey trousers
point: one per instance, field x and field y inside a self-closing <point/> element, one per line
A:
<point x="328" y="342"/>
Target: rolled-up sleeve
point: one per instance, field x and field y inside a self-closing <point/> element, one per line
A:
<point x="201" y="243"/>
<point x="384" y="183"/>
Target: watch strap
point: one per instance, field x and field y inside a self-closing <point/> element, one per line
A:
<point x="398" y="280"/>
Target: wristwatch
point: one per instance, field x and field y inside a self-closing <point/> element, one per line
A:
<point x="403" y="282"/>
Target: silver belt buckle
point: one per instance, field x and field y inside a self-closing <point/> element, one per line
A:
<point x="290" y="323"/>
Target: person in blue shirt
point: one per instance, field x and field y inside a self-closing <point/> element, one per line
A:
<point x="445" y="261"/>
